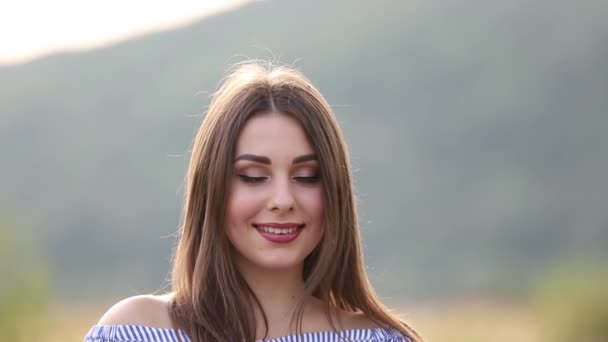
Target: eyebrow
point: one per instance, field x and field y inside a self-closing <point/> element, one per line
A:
<point x="266" y="160"/>
<point x="304" y="158"/>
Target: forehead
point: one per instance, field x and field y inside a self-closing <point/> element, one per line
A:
<point x="273" y="133"/>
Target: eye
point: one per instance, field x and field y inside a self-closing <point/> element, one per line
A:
<point x="249" y="179"/>
<point x="308" y="179"/>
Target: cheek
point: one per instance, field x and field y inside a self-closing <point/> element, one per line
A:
<point x="314" y="205"/>
<point x="242" y="205"/>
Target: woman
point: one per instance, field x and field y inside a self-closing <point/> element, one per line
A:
<point x="269" y="247"/>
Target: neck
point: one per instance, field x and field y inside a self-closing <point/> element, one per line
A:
<point x="278" y="292"/>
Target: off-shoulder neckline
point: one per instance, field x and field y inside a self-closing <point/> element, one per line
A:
<point x="144" y="333"/>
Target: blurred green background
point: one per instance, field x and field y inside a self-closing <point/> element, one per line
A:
<point x="477" y="132"/>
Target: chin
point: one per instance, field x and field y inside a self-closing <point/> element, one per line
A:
<point x="273" y="261"/>
<point x="280" y="263"/>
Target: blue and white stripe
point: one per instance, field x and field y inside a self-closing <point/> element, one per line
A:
<point x="140" y="333"/>
<point x="134" y="333"/>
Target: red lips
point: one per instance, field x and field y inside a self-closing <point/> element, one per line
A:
<point x="279" y="225"/>
<point x="279" y="237"/>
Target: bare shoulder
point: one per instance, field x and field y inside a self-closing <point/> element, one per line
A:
<point x="147" y="310"/>
<point x="357" y="320"/>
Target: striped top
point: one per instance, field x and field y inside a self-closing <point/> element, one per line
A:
<point x="140" y="333"/>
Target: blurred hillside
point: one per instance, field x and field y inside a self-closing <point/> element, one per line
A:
<point x="477" y="131"/>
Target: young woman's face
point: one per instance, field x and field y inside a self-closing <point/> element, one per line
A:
<point x="275" y="200"/>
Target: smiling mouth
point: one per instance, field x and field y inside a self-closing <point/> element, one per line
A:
<point x="278" y="229"/>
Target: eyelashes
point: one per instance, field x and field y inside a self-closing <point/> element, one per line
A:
<point x="309" y="179"/>
<point x="255" y="180"/>
<point x="249" y="179"/>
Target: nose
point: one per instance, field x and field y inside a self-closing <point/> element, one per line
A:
<point x="282" y="198"/>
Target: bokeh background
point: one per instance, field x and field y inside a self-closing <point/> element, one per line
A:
<point x="477" y="129"/>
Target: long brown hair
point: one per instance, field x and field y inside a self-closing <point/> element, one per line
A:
<point x="212" y="301"/>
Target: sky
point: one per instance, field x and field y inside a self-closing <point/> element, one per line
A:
<point x="33" y="28"/>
